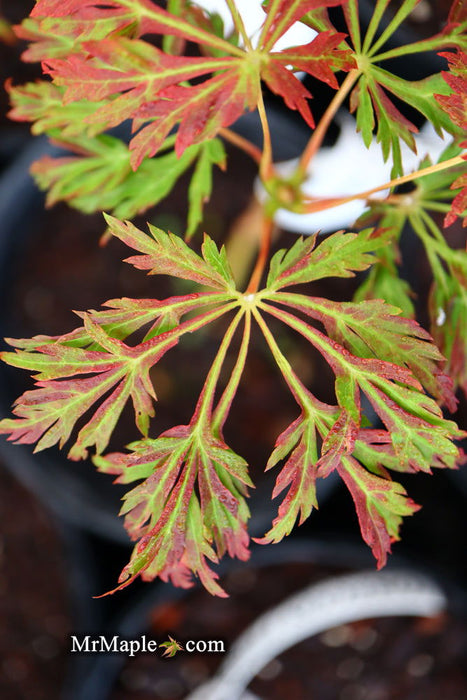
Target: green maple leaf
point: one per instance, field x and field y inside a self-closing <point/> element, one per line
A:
<point x="377" y="91"/>
<point x="339" y="255"/>
<point x="448" y="298"/>
<point x="99" y="175"/>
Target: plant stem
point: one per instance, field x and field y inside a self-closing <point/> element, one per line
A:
<point x="265" y="168"/>
<point x="293" y="382"/>
<point x="238" y="23"/>
<point x="195" y="34"/>
<point x="268" y="22"/>
<point x="303" y="397"/>
<point x="203" y="411"/>
<point x="223" y="407"/>
<point x="241" y="143"/>
<point x="322" y="204"/>
<point x="262" y="256"/>
<point x="320" y="132"/>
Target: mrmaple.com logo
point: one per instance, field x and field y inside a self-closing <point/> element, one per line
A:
<point x="101" y="644"/>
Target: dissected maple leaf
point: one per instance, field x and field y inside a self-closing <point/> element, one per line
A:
<point x="201" y="110"/>
<point x="360" y="455"/>
<point x="175" y="526"/>
<point x="123" y="317"/>
<point x="172" y="647"/>
<point x="339" y="255"/>
<point x="299" y="443"/>
<point x="376" y="93"/>
<point x="375" y="329"/>
<point x="380" y="504"/>
<point x="42" y="103"/>
<point x="420" y="435"/>
<point x="98" y="177"/>
<point x="448" y="305"/>
<point x="107" y="61"/>
<point x="47" y="415"/>
<point x="167" y="254"/>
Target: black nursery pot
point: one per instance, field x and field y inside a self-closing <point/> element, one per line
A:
<point x="72" y="492"/>
<point x="404" y="656"/>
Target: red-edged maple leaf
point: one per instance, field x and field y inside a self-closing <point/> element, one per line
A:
<point x="47" y="415"/>
<point x="167" y="254"/>
<point x="375" y="329"/>
<point x="419" y="433"/>
<point x="136" y="80"/>
<point x="90" y="19"/>
<point x="319" y="58"/>
<point x="282" y="14"/>
<point x="176" y="528"/>
<point x="200" y="110"/>
<point x="456" y="106"/>
<point x="299" y="443"/>
<point x="380" y="505"/>
<point x="339" y="255"/>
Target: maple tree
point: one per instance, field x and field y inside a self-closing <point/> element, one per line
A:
<point x="187" y="505"/>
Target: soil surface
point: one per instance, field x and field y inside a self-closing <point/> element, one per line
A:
<point x="34" y="607"/>
<point x="384" y="659"/>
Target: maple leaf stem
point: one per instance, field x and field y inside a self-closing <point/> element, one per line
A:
<point x="266" y="169"/>
<point x="238" y="23"/>
<point x="320" y="341"/>
<point x="431" y="247"/>
<point x="203" y="412"/>
<point x="320" y="132"/>
<point x="271" y="15"/>
<point x="263" y="254"/>
<point x="223" y="407"/>
<point x="242" y="143"/>
<point x="282" y="362"/>
<point x="314" y="205"/>
<point x="156" y="344"/>
<point x="196" y="34"/>
<point x="297" y="388"/>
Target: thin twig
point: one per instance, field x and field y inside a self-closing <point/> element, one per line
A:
<point x="320" y="132"/>
<point x="263" y="254"/>
<point x="242" y="143"/>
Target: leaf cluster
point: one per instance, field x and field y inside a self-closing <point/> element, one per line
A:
<point x="181" y="92"/>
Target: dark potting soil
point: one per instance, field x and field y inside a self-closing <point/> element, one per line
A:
<point x="34" y="608"/>
<point x="383" y="659"/>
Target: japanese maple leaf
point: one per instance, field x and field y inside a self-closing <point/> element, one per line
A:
<point x="456" y="106"/>
<point x="178" y="527"/>
<point x="136" y="80"/>
<point x="47" y="414"/>
<point x="172" y="647"/>
<point x="299" y="443"/>
<point x="380" y="504"/>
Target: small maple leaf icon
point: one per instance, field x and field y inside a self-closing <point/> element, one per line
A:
<point x="171" y="647"/>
